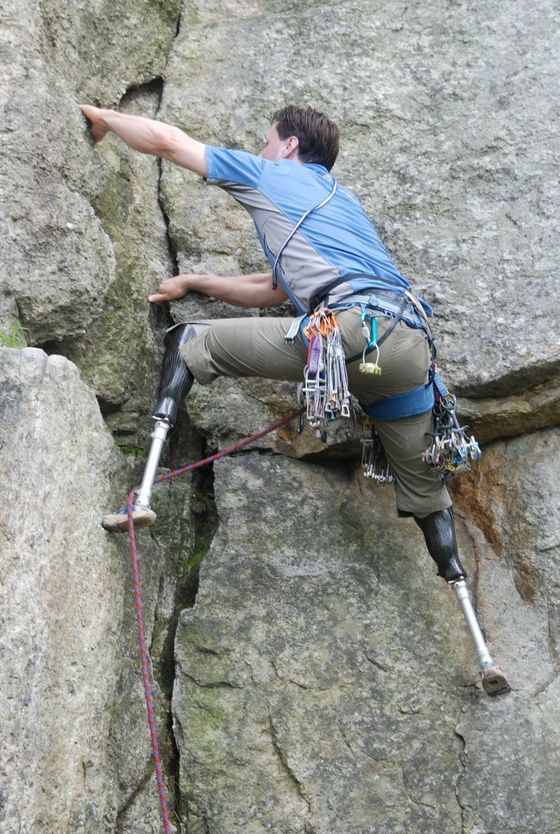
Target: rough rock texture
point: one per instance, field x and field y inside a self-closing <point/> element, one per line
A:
<point x="510" y="746"/>
<point x="344" y="697"/>
<point x="119" y="355"/>
<point x="83" y="239"/>
<point x="62" y="606"/>
<point x="311" y="707"/>
<point x="323" y="682"/>
<point x="74" y="749"/>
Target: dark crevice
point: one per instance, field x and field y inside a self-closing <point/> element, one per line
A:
<point x="153" y="87"/>
<point x="171" y="248"/>
<point x="202" y="523"/>
<point x="107" y="407"/>
<point x="51" y="347"/>
<point x="188" y="547"/>
<point x="179" y="20"/>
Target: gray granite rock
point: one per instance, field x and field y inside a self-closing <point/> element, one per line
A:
<point x="510" y="759"/>
<point x="74" y="746"/>
<point x="57" y="260"/>
<point x="83" y="239"/>
<point x="324" y="678"/>
<point x="321" y="672"/>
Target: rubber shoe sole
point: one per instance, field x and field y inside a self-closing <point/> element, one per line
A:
<point x="115" y="522"/>
<point x="495" y="682"/>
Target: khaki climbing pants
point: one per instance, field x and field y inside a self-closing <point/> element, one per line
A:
<point x="255" y="347"/>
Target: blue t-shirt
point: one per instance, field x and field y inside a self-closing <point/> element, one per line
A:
<point x="334" y="241"/>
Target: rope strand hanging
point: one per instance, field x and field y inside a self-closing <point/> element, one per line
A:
<point x="147" y="678"/>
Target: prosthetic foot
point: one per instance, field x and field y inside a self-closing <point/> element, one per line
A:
<point x="175" y="383"/>
<point x="439" y="533"/>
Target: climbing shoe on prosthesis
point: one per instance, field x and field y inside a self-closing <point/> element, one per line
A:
<point x="494" y="681"/>
<point x="142" y="517"/>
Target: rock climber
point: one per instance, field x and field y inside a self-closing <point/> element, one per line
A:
<point x="325" y="255"/>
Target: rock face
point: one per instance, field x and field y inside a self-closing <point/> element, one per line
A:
<point x="323" y="681"/>
<point x="62" y="605"/>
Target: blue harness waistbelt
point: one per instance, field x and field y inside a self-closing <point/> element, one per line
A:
<point x="413" y="402"/>
<point x="410" y="403"/>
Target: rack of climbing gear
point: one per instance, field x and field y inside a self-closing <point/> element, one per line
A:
<point x="325" y="390"/>
<point x="450" y="450"/>
<point x="375" y="465"/>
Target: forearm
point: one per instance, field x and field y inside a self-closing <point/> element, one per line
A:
<point x="253" y="290"/>
<point x="150" y="137"/>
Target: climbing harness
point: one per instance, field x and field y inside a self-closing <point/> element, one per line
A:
<point x="135" y="567"/>
<point x="450" y="450"/>
<point x="325" y="388"/>
<point x="325" y="393"/>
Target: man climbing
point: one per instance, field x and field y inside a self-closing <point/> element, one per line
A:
<point x="353" y="306"/>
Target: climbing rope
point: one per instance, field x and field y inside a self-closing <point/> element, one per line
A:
<point x="135" y="566"/>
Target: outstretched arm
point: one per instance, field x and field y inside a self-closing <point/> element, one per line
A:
<point x="253" y="290"/>
<point x="148" y="136"/>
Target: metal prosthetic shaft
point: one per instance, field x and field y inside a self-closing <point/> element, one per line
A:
<point x="158" y="436"/>
<point x="439" y="533"/>
<point x="462" y="594"/>
<point x="175" y="383"/>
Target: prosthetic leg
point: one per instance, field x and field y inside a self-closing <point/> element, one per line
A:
<point x="439" y="533"/>
<point x="175" y="383"/>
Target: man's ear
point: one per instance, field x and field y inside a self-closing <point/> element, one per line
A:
<point x="291" y="147"/>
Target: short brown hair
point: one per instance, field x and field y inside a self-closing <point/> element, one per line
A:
<point x="318" y="136"/>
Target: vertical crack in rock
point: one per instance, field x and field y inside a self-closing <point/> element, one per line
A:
<point x="172" y="249"/>
<point x="194" y="541"/>
<point x="474" y="584"/>
<point x="292" y="778"/>
<point x="463" y="759"/>
<point x="155" y="88"/>
<point x="173" y="256"/>
<point x="179" y="19"/>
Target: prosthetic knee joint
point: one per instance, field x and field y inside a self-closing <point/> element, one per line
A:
<point x="175" y="383"/>
<point x="439" y="533"/>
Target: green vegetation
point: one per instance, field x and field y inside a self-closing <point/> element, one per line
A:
<point x="130" y="450"/>
<point x="15" y="336"/>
